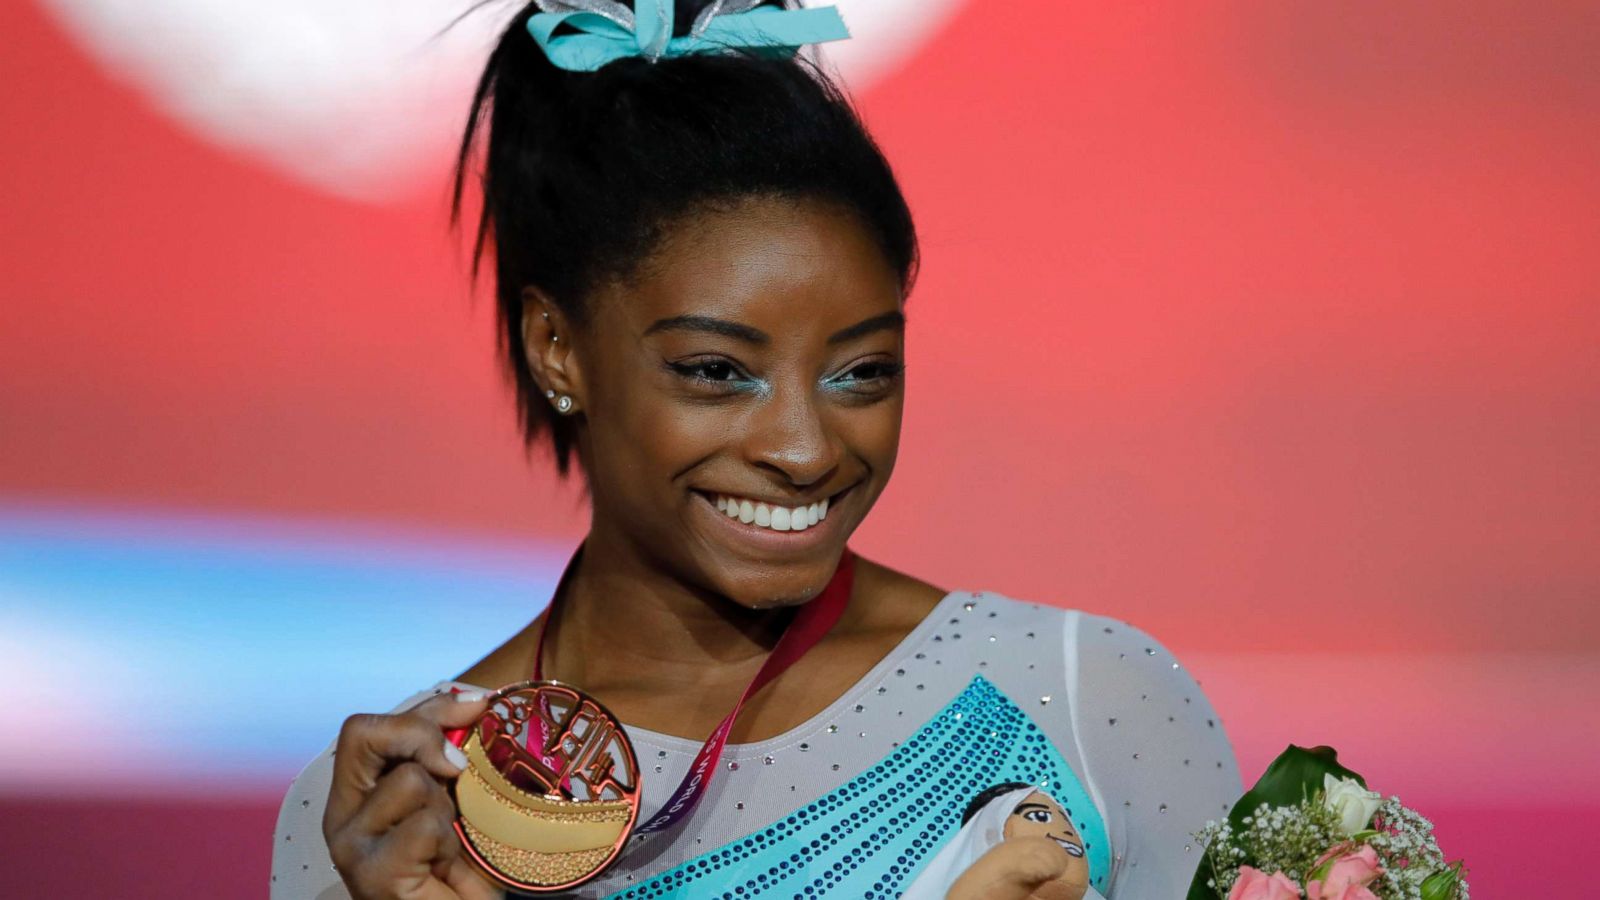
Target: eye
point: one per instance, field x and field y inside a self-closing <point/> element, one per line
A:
<point x="1042" y="816"/>
<point x="870" y="377"/>
<point x="874" y="371"/>
<point x="715" y="371"/>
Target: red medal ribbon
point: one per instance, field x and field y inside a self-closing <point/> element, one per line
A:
<point x="810" y="624"/>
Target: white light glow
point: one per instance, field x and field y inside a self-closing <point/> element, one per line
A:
<point x="360" y="98"/>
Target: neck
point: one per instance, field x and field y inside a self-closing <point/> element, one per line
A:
<point x="623" y="620"/>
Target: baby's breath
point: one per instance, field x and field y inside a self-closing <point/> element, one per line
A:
<point x="1290" y="839"/>
<point x="1405" y="843"/>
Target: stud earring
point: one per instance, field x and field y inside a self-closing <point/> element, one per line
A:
<point x="550" y="395"/>
<point x="564" y="404"/>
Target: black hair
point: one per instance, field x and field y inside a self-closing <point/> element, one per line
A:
<point x="582" y="172"/>
<point x="988" y="795"/>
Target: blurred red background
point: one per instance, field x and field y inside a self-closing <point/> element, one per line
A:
<point x="1271" y="328"/>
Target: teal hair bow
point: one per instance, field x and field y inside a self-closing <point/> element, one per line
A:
<point x="601" y="31"/>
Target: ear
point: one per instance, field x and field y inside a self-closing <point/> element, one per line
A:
<point x="547" y="341"/>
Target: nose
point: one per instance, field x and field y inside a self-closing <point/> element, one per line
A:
<point x="791" y="437"/>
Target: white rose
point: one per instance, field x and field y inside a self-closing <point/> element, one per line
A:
<point x="1353" y="803"/>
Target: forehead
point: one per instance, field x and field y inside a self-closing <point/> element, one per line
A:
<point x="1037" y="799"/>
<point x="775" y="263"/>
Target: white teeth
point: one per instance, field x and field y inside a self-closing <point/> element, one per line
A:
<point x="778" y="518"/>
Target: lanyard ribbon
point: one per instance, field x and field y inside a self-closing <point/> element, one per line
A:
<point x="810" y="624"/>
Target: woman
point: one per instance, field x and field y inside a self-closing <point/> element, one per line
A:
<point x="702" y="263"/>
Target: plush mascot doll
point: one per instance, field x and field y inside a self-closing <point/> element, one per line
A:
<point x="1015" y="842"/>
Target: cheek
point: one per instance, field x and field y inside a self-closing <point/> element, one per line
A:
<point x="885" y="438"/>
<point x="644" y="431"/>
<point x="874" y="433"/>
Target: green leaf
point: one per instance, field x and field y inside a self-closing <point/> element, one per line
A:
<point x="1295" y="775"/>
<point x="1443" y="884"/>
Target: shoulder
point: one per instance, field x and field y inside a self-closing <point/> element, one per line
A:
<point x="301" y="866"/>
<point x="1117" y="675"/>
<point x="1140" y="699"/>
<point x="1047" y="630"/>
<point x="1099" y="654"/>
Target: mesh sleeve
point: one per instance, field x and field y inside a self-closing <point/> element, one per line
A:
<point x="1154" y="750"/>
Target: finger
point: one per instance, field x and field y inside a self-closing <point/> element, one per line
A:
<point x="401" y="791"/>
<point x="402" y="798"/>
<point x="420" y="843"/>
<point x="469" y="884"/>
<point x="400" y="864"/>
<point x="1041" y="860"/>
<point x="369" y="745"/>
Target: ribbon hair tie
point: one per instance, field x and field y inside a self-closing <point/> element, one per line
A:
<point x="596" y="32"/>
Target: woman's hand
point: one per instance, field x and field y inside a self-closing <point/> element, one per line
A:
<point x="1022" y="868"/>
<point x="389" y="819"/>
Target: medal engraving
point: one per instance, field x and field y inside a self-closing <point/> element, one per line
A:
<point x="551" y="791"/>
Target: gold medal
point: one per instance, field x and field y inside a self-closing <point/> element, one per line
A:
<point x="551" y="790"/>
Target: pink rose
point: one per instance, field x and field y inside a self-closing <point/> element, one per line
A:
<point x="1254" y="884"/>
<point x="1347" y="876"/>
<point x="1351" y="892"/>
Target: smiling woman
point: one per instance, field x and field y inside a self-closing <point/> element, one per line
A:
<point x="702" y="262"/>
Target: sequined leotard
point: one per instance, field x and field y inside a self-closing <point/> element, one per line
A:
<point x="854" y="803"/>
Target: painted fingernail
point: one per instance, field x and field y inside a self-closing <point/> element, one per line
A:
<point x="469" y="696"/>
<point x="453" y="754"/>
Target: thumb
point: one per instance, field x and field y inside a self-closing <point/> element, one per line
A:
<point x="452" y="714"/>
<point x="457" y="710"/>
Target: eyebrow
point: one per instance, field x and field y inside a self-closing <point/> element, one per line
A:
<point x="1023" y="806"/>
<point x="893" y="320"/>
<point x="710" y="325"/>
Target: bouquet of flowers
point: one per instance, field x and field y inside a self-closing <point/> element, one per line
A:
<point x="1310" y="830"/>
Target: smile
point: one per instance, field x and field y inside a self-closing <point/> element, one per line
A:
<point x="1072" y="849"/>
<point x="771" y="516"/>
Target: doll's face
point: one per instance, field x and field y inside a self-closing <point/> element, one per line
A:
<point x="1040" y="816"/>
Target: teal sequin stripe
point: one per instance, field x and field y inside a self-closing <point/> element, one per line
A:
<point x="871" y="837"/>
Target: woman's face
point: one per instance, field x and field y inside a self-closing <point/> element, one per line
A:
<point x="753" y="364"/>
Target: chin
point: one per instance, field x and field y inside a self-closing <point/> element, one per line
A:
<point x="758" y="587"/>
